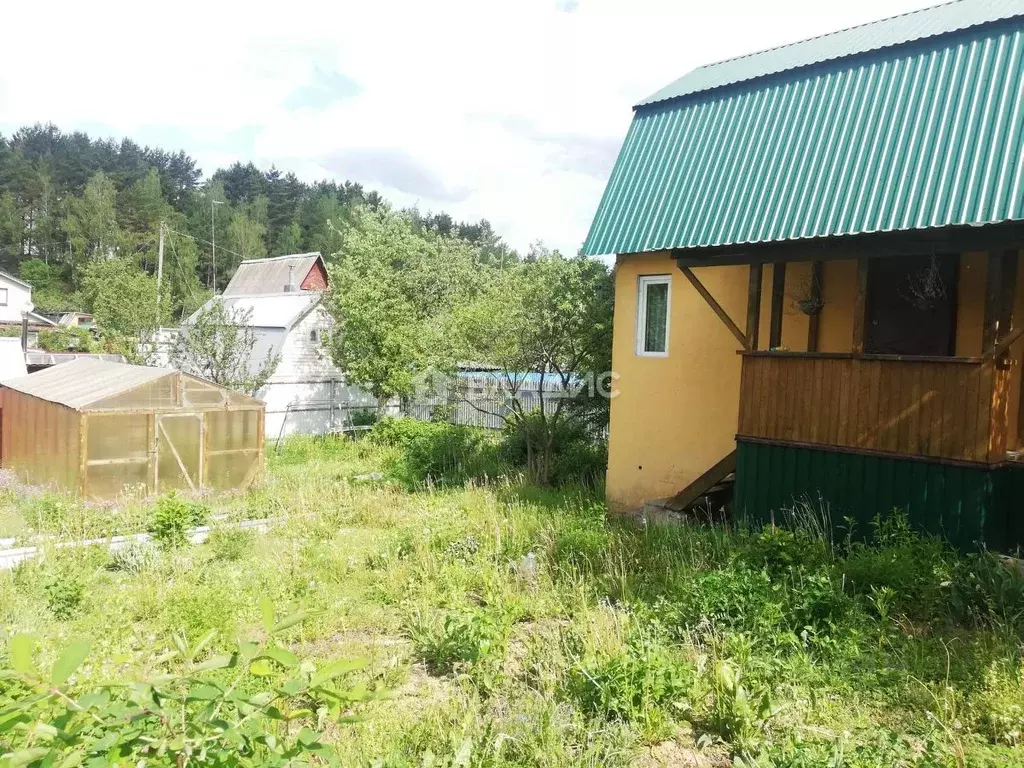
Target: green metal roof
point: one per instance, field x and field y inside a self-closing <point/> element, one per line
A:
<point x="942" y="19"/>
<point x="925" y="134"/>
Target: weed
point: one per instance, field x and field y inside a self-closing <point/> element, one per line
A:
<point x="230" y="544"/>
<point x="64" y="594"/>
<point x="173" y="517"/>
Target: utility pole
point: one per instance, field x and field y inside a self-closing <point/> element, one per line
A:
<point x="159" y="274"/>
<point x="213" y="241"/>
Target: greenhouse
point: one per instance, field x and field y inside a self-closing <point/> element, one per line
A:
<point x="99" y="429"/>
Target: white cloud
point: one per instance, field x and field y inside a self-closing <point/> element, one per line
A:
<point x="510" y="111"/>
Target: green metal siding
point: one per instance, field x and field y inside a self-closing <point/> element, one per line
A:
<point x="930" y="134"/>
<point x="965" y="505"/>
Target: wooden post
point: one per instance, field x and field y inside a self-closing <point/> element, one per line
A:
<point x="815" y="297"/>
<point x="860" y="306"/>
<point x="715" y="306"/>
<point x="753" y="306"/>
<point x="993" y="300"/>
<point x="778" y="293"/>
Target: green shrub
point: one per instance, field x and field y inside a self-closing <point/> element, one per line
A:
<point x="438" y="453"/>
<point x="67" y="339"/>
<point x="985" y="591"/>
<point x="133" y="557"/>
<point x="910" y="564"/>
<point x="576" y="457"/>
<point x="173" y="517"/>
<point x="64" y="592"/>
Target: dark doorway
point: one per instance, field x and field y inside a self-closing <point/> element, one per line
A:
<point x="911" y="305"/>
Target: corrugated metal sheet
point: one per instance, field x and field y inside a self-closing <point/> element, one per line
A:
<point x="898" y="30"/>
<point x="255" y="276"/>
<point x="963" y="504"/>
<point x="85" y="381"/>
<point x="918" y="137"/>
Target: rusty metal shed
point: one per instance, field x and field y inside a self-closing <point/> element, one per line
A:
<point x="97" y="428"/>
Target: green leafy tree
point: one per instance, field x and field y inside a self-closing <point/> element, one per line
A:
<point x="91" y="222"/>
<point x="290" y="240"/>
<point x="123" y="300"/>
<point x="142" y="208"/>
<point x="394" y="290"/>
<point x="548" y="319"/>
<point x="218" y="344"/>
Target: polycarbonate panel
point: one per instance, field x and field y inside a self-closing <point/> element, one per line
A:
<point x="106" y="481"/>
<point x="117" y="436"/>
<point x="232" y="430"/>
<point x="195" y="393"/>
<point x="230" y="470"/>
<point x="178" y="441"/>
<point x="161" y="393"/>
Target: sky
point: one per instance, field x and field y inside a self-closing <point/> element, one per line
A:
<point x="509" y="110"/>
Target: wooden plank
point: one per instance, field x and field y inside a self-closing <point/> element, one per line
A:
<point x="818" y="412"/>
<point x="177" y="457"/>
<point x="702" y="484"/>
<point x="847" y="372"/>
<point x="754" y="305"/>
<point x="836" y="370"/>
<point x="1000" y="283"/>
<point x="997" y="426"/>
<point x="715" y="306"/>
<point x="860" y="306"/>
<point x="778" y="295"/>
<point x="813" y="321"/>
<point x="872" y="430"/>
<point x="959" y="439"/>
<point x="915" y="403"/>
<point x="979" y="417"/>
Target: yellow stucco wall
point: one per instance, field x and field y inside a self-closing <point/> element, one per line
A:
<point x="673" y="417"/>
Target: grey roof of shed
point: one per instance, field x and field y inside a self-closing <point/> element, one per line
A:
<point x="82" y="382"/>
<point x="260" y="276"/>
<point x="897" y="30"/>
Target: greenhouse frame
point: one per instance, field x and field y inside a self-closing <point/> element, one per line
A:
<point x="99" y="429"/>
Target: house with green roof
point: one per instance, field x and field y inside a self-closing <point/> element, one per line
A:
<point x="817" y="296"/>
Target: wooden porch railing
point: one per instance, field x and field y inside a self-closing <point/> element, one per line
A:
<point x="945" y="408"/>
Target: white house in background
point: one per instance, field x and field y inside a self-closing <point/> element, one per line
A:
<point x="16" y="302"/>
<point x="306" y="394"/>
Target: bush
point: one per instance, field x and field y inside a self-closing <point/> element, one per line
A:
<point x="133" y="557"/>
<point x="985" y="591"/>
<point x="173" y="517"/>
<point x="437" y="452"/>
<point x="64" y="592"/>
<point x="576" y="457"/>
<point x="67" y="339"/>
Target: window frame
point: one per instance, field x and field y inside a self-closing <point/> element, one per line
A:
<point x="5" y="296"/>
<point x="643" y="283"/>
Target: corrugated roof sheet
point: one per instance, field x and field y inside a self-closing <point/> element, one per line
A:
<point x="916" y="137"/>
<point x="85" y="381"/>
<point x="258" y="276"/>
<point x="897" y="30"/>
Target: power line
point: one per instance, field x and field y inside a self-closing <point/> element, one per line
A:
<point x="207" y="242"/>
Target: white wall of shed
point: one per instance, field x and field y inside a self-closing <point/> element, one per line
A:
<point x="307" y="394"/>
